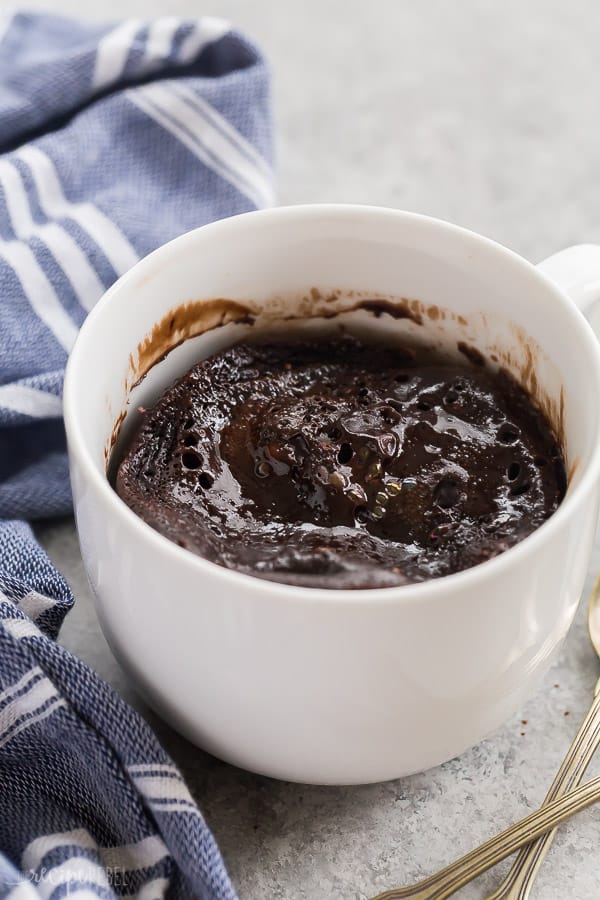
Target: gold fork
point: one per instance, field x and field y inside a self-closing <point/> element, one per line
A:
<point x="449" y="880"/>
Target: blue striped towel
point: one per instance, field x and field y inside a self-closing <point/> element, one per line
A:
<point x="113" y="139"/>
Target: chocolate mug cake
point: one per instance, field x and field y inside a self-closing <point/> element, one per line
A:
<point x="342" y="464"/>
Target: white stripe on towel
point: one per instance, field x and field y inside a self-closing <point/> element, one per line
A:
<point x="74" y="263"/>
<point x="157" y="788"/>
<point x="15" y="196"/>
<point x="223" y="125"/>
<point x="159" y="43"/>
<point x="37" y="849"/>
<point x="52" y="707"/>
<point x="162" y="768"/>
<point x="30" y="402"/>
<point x="24" y="711"/>
<point x="20" y="628"/>
<point x="207" y="142"/>
<point x="34" y="604"/>
<point x="152" y="890"/>
<point x="208" y="30"/>
<point x="42" y="297"/>
<point x="55" y="205"/>
<point x="142" y="854"/>
<point x="73" y="870"/>
<point x="26" y="891"/>
<point x="67" y="253"/>
<point x="112" y="53"/>
<point x="166" y="794"/>
<point x="31" y="675"/>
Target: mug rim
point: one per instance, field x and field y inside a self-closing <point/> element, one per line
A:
<point x="398" y="594"/>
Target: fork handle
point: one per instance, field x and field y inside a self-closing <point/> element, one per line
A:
<point x="453" y="877"/>
<point x="520" y="878"/>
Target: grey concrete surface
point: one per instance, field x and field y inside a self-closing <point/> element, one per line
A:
<point x="485" y="113"/>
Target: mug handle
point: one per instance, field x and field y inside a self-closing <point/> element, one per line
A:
<point x="576" y="271"/>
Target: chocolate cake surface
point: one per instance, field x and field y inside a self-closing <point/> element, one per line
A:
<point x="342" y="464"/>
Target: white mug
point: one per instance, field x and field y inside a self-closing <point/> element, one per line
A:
<point x="314" y="685"/>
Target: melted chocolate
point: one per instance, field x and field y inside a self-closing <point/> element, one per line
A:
<point x="342" y="465"/>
